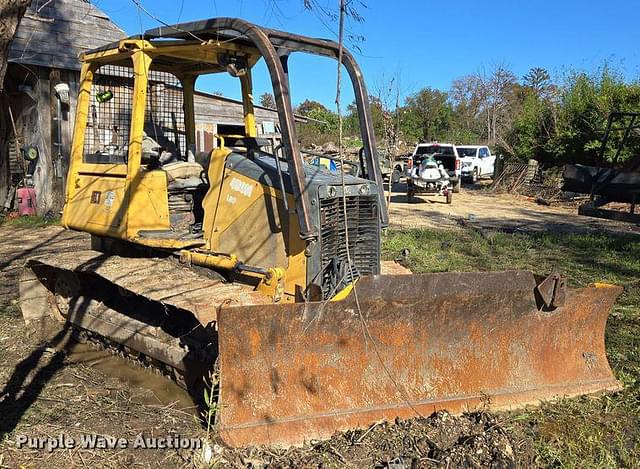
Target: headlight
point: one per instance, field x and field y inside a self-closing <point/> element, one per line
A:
<point x="364" y="189"/>
<point x="466" y="164"/>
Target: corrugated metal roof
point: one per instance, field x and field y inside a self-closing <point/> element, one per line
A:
<point x="54" y="32"/>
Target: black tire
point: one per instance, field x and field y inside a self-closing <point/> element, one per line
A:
<point x="449" y="197"/>
<point x="410" y="197"/>
<point x="395" y="176"/>
<point x="456" y="186"/>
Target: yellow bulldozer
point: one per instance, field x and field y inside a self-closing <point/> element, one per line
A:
<point x="250" y="264"/>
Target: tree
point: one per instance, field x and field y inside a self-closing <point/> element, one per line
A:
<point x="323" y="126"/>
<point x="538" y="79"/>
<point x="467" y="97"/>
<point x="484" y="105"/>
<point x="379" y="115"/>
<point x="531" y="118"/>
<point x="11" y="12"/>
<point x="385" y="109"/>
<point x="586" y="100"/>
<point x="533" y="125"/>
<point x="427" y="115"/>
<point x="328" y="120"/>
<point x="496" y="87"/>
<point x="267" y="100"/>
<point x="309" y="105"/>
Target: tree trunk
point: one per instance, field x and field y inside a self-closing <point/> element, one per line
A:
<point x="11" y="13"/>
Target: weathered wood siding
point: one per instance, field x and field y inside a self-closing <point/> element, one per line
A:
<point x="45" y="51"/>
<point x="53" y="33"/>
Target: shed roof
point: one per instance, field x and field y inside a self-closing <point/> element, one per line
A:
<point x="54" y="32"/>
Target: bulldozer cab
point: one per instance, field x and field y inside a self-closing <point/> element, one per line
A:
<point x="134" y="138"/>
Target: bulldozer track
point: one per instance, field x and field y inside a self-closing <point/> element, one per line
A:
<point x="154" y="312"/>
<point x="138" y="359"/>
<point x="97" y="295"/>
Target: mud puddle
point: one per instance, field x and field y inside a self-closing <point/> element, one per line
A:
<point x="155" y="388"/>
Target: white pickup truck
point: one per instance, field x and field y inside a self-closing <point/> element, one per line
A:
<point x="477" y="162"/>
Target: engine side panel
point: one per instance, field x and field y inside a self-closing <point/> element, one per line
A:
<point x="250" y="222"/>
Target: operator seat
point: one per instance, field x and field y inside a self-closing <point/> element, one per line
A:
<point x="184" y="175"/>
<point x="161" y="154"/>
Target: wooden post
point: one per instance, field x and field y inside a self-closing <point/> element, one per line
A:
<point x="57" y="142"/>
<point x="38" y="133"/>
<point x="4" y="150"/>
<point x="532" y="171"/>
<point x="188" y="86"/>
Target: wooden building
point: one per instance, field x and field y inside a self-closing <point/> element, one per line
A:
<point x="37" y="106"/>
<point x="220" y="115"/>
<point x="43" y="56"/>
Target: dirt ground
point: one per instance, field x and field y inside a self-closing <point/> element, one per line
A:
<point x="54" y="387"/>
<point x="58" y="387"/>
<point x="479" y="206"/>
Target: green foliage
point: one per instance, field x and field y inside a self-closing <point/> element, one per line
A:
<point x="537" y="79"/>
<point x="534" y="118"/>
<point x="586" y="101"/>
<point x="600" y="431"/>
<point x="211" y="391"/>
<point x="267" y="100"/>
<point x="308" y="106"/>
<point x="427" y="115"/>
<point x="323" y="126"/>
<point x="530" y="132"/>
<point x="328" y="119"/>
<point x="30" y="222"/>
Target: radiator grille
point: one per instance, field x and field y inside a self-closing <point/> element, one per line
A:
<point x="364" y="240"/>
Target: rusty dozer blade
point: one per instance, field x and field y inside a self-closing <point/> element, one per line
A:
<point x="455" y="341"/>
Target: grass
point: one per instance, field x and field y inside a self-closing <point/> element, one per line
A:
<point x="582" y="432"/>
<point x="29" y="222"/>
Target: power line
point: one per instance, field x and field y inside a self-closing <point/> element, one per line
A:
<point x="365" y="326"/>
<point x="180" y="11"/>
<point x="164" y="23"/>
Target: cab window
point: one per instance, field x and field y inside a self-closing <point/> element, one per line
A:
<point x="466" y="151"/>
<point x="431" y="149"/>
<point x="109" y="118"/>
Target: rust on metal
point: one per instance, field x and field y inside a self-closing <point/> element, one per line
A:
<point x="297" y="372"/>
<point x="552" y="290"/>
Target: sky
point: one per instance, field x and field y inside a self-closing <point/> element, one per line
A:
<point x="421" y="43"/>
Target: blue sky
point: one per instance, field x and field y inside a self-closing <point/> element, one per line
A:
<point x="425" y="43"/>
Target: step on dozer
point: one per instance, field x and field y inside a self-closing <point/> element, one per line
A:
<point x="246" y="263"/>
